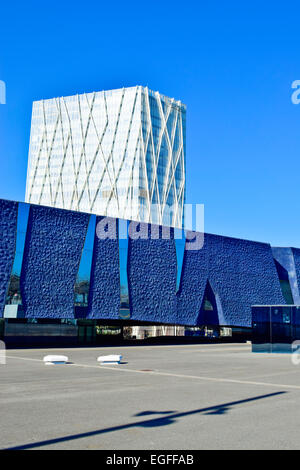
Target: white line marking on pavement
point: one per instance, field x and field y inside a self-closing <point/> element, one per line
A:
<point x="169" y="374"/>
<point x="24" y="358"/>
<point x="196" y="377"/>
<point x="288" y="372"/>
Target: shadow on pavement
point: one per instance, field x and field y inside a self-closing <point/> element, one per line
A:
<point x="170" y="418"/>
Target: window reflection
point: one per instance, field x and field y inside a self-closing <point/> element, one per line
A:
<point x="82" y="286"/>
<point x="284" y="283"/>
<point x="14" y="296"/>
<point x="281" y="328"/>
<point x="179" y="238"/>
<point x="261" y="329"/>
<point x="123" y="259"/>
<point x="275" y="327"/>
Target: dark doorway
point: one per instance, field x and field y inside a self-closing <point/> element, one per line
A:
<point x="209" y="311"/>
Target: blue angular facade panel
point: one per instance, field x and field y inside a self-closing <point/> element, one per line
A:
<point x="104" y="295"/>
<point x="240" y="272"/>
<point x="152" y="270"/>
<point x="8" y="236"/>
<point x="296" y="255"/>
<point x="192" y="287"/>
<point x="286" y="258"/>
<point x="53" y="248"/>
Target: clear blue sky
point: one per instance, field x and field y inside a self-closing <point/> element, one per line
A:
<point x="232" y="63"/>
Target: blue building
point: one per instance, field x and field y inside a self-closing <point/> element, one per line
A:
<point x="60" y="264"/>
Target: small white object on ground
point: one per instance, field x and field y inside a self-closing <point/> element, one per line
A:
<point x="111" y="359"/>
<point x="54" y="359"/>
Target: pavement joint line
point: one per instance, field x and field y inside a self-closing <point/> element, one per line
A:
<point x="169" y="374"/>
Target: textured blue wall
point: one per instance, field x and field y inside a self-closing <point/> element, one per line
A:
<point x="240" y="272"/>
<point x="52" y="254"/>
<point x="104" y="295"/>
<point x="296" y="254"/>
<point x="152" y="269"/>
<point x="8" y="231"/>
<point x="286" y="257"/>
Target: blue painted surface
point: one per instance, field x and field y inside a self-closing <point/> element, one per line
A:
<point x="152" y="269"/>
<point x="8" y="230"/>
<point x="53" y="248"/>
<point x="239" y="273"/>
<point x="104" y="297"/>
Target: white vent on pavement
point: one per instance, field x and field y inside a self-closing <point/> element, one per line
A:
<point x="112" y="359"/>
<point x="52" y="359"/>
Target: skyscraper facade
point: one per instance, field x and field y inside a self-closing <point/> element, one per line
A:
<point x="119" y="153"/>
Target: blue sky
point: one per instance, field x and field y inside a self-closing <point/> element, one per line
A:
<point x="232" y="63"/>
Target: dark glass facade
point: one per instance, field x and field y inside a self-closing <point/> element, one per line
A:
<point x="275" y="328"/>
<point x="123" y="262"/>
<point x="82" y="286"/>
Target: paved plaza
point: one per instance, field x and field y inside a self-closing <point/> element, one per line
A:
<point x="218" y="396"/>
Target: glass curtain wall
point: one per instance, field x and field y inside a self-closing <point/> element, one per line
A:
<point x="14" y="296"/>
<point x="82" y="285"/>
<point x="275" y="328"/>
<point x="123" y="260"/>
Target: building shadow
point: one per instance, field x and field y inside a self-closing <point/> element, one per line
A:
<point x="169" y="418"/>
<point x="148" y="413"/>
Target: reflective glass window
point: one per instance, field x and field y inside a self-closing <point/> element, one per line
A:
<point x="281" y="328"/>
<point x="261" y="329"/>
<point x="14" y="296"/>
<point x="123" y="259"/>
<point x="284" y="283"/>
<point x="82" y="286"/>
<point x="179" y="238"/>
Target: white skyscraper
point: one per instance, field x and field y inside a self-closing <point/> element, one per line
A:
<point x="119" y="153"/>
